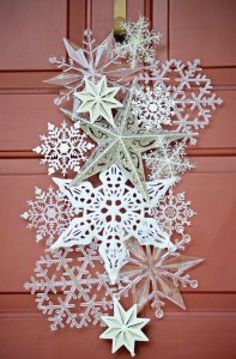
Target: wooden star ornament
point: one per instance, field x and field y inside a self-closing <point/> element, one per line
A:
<point x="98" y="99"/>
<point x="121" y="145"/>
<point x="124" y="328"/>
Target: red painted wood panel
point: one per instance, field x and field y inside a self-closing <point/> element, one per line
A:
<point x="30" y="31"/>
<point x="190" y="28"/>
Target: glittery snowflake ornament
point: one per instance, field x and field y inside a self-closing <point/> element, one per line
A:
<point x="117" y="227"/>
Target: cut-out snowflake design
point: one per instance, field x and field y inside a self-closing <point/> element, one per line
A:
<point x="173" y="212"/>
<point x="64" y="148"/>
<point x="111" y="213"/>
<point x="50" y="214"/>
<point x="153" y="275"/>
<point x="168" y="160"/>
<point x="91" y="62"/>
<point x="70" y="288"/>
<point x="139" y="41"/>
<point x="191" y="92"/>
<point x="152" y="106"/>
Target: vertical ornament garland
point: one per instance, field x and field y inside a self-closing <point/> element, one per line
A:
<point x="131" y="120"/>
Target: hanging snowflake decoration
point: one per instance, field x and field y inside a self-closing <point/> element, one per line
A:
<point x="153" y="107"/>
<point x="153" y="275"/>
<point x="91" y="62"/>
<point x="64" y="148"/>
<point x="173" y="212"/>
<point x="139" y="42"/>
<point x="49" y="214"/>
<point x="167" y="160"/>
<point x="191" y="93"/>
<point x="70" y="289"/>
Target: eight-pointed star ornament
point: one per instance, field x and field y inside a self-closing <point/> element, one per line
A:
<point x="121" y="145"/>
<point x="124" y="328"/>
<point x="98" y="99"/>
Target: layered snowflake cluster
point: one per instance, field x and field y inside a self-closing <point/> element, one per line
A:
<point x="118" y="227"/>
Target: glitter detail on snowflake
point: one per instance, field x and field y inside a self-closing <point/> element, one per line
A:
<point x="139" y="42"/>
<point x="173" y="213"/>
<point x="50" y="214"/>
<point x="69" y="288"/>
<point x="64" y="148"/>
<point x="168" y="160"/>
<point x="91" y="62"/>
<point x="153" y="275"/>
<point x="152" y="106"/>
<point x="191" y="91"/>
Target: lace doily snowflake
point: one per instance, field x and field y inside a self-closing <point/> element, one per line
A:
<point x="153" y="275"/>
<point x="191" y="92"/>
<point x="173" y="212"/>
<point x="152" y="106"/>
<point x="139" y="42"/>
<point x="49" y="214"/>
<point x="64" y="148"/>
<point x="168" y="160"/>
<point x="70" y="289"/>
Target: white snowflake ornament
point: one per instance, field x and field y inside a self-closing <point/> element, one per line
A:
<point x="64" y="148"/>
<point x="49" y="214"/>
<point x="124" y="328"/>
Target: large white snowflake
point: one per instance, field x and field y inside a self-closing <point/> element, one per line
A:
<point x="191" y="92"/>
<point x="168" y="160"/>
<point x="49" y="214"/>
<point x="153" y="275"/>
<point x="139" y="42"/>
<point x="111" y="213"/>
<point x="64" y="148"/>
<point x="70" y="288"/>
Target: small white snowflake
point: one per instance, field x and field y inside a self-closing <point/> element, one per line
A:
<point x="168" y="160"/>
<point x="173" y="212"/>
<point x="139" y="42"/>
<point x="69" y="288"/>
<point x="49" y="214"/>
<point x="152" y="106"/>
<point x="64" y="148"/>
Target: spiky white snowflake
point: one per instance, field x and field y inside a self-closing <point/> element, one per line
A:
<point x="191" y="92"/>
<point x="64" y="148"/>
<point x="139" y="42"/>
<point x="152" y="106"/>
<point x="168" y="160"/>
<point x="173" y="212"/>
<point x="153" y="275"/>
<point x="90" y="62"/>
<point x="49" y="214"/>
<point x="70" y="289"/>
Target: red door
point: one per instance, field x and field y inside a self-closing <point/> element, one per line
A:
<point x="31" y="31"/>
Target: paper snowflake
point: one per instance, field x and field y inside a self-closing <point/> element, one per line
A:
<point x="124" y="328"/>
<point x="70" y="289"/>
<point x="111" y="213"/>
<point x="64" y="148"/>
<point x="91" y="62"/>
<point x="152" y="106"/>
<point x="191" y="92"/>
<point x="168" y="160"/>
<point x="139" y="42"/>
<point x="49" y="214"/>
<point x="99" y="100"/>
<point x="153" y="275"/>
<point x="173" y="212"/>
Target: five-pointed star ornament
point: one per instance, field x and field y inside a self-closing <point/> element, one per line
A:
<point x="98" y="99"/>
<point x="124" y="328"/>
<point x="121" y="145"/>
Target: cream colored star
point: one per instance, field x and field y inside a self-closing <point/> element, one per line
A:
<point x="98" y="99"/>
<point x="124" y="328"/>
